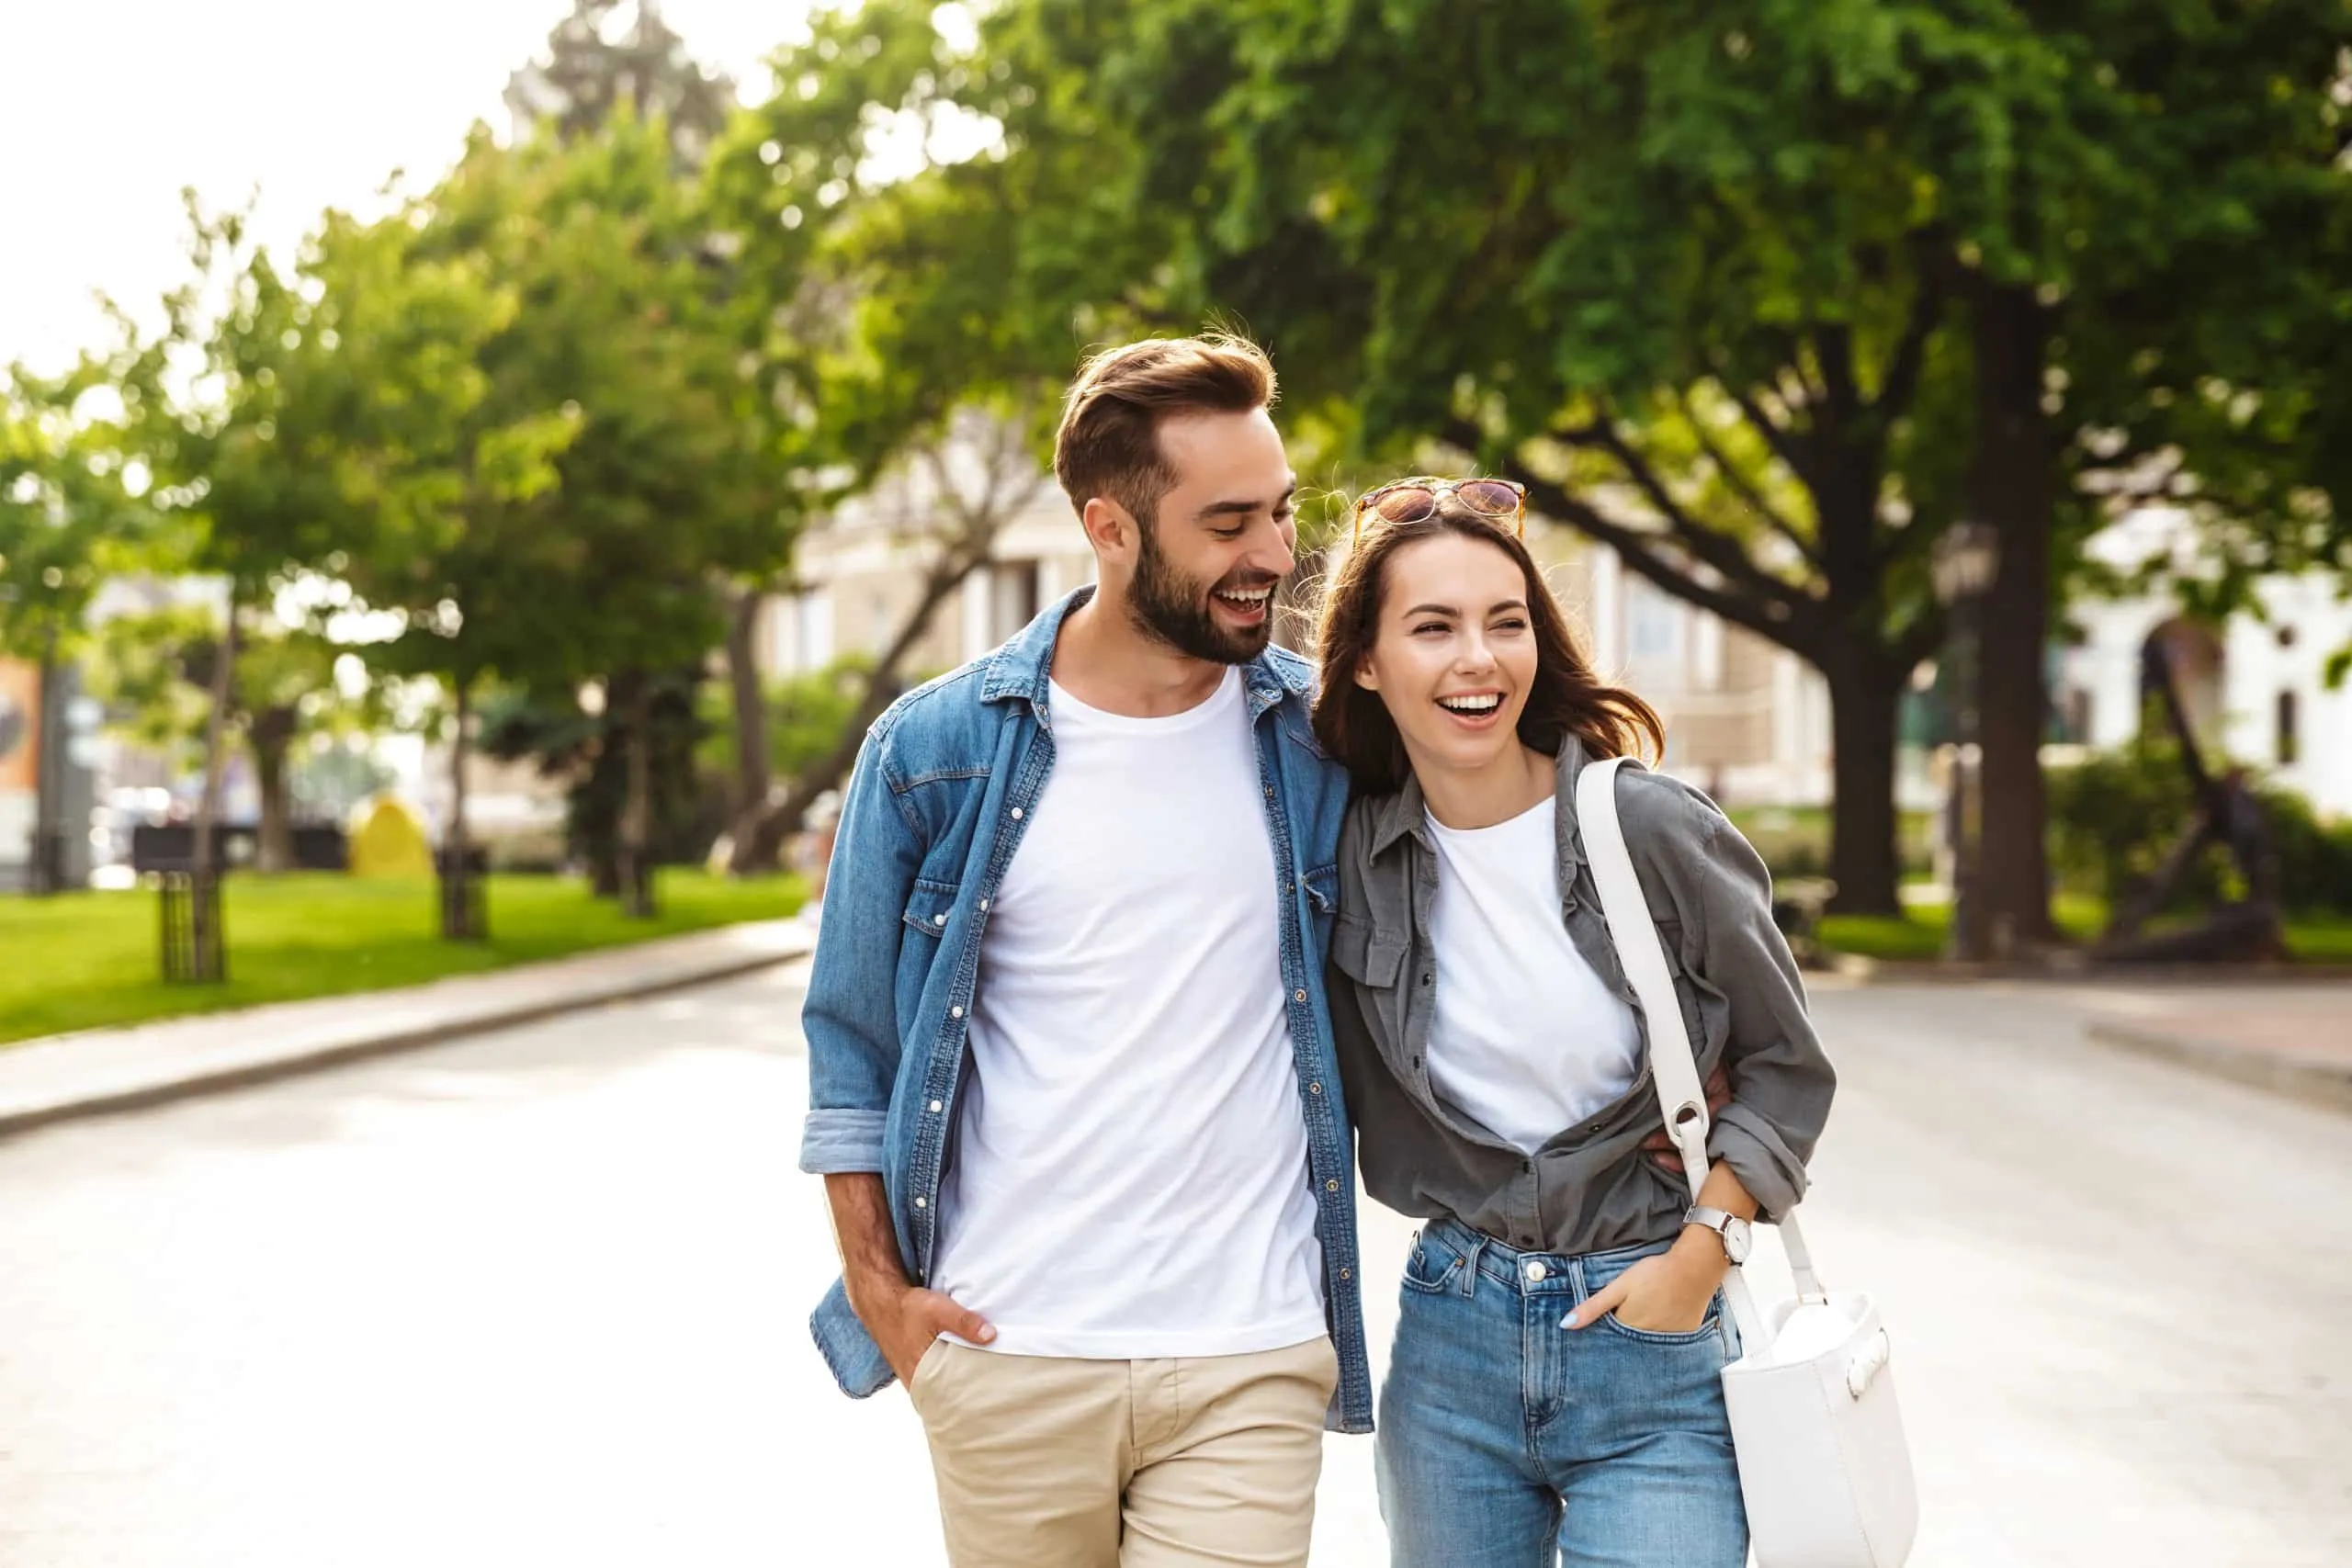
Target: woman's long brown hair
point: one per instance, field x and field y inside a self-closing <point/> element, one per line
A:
<point x="1565" y="699"/>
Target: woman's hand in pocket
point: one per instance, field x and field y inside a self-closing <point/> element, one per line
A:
<point x="1667" y="1293"/>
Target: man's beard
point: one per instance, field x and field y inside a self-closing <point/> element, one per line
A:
<point x="1175" y="609"/>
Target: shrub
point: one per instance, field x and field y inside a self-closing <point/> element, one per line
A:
<point x="2114" y="817"/>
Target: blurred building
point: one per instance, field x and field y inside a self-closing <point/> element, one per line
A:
<point x="2256" y="688"/>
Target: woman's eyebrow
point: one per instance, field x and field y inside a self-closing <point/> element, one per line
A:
<point x="1494" y="609"/>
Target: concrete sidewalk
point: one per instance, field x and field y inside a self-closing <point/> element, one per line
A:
<point x="2293" y="1038"/>
<point x="121" y="1069"/>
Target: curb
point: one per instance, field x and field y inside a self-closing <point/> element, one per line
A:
<point x="1934" y="971"/>
<point x="2327" y="1084"/>
<point x="340" y="1053"/>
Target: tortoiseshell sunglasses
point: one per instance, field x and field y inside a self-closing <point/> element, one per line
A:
<point x="1409" y="500"/>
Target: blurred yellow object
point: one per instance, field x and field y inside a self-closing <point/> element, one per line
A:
<point x="388" y="841"/>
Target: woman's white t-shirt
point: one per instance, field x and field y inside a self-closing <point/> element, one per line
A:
<point x="1525" y="1038"/>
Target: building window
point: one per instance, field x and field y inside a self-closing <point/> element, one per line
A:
<point x="2289" y="747"/>
<point x="1653" y="623"/>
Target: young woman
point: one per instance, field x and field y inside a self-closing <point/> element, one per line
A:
<point x="1554" y="1391"/>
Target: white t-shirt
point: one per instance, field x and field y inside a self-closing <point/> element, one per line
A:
<point x="1525" y="1038"/>
<point x="1131" y="1179"/>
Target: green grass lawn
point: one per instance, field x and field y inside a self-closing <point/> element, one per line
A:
<point x="87" y="960"/>
<point x="1921" y="934"/>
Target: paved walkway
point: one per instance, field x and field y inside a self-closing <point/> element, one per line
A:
<point x="2290" y="1036"/>
<point x="119" y="1069"/>
<point x="539" y="1296"/>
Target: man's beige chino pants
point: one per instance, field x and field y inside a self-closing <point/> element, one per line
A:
<point x="1047" y="1462"/>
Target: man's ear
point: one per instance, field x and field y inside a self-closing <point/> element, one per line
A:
<point x="1109" y="527"/>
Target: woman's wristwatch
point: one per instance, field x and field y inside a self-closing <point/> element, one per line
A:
<point x="1730" y="1229"/>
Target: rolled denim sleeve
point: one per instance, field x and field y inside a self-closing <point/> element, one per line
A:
<point x="850" y="1017"/>
<point x="1781" y="1082"/>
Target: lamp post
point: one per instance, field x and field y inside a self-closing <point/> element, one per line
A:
<point x="1967" y="558"/>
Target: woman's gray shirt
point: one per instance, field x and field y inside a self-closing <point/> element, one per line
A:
<point x="1590" y="1189"/>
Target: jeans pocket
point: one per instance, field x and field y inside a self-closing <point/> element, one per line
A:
<point x="1433" y="1266"/>
<point x="1709" y="1327"/>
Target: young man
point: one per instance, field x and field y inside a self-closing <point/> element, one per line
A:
<point x="1071" y="1073"/>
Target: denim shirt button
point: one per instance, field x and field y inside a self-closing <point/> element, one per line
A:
<point x="1016" y="814"/>
<point x="1330" y="1187"/>
<point x="936" y="1108"/>
<point x="1315" y="1088"/>
<point x="1294" y="995"/>
<point x="956" y="1012"/>
<point x="923" y="1204"/>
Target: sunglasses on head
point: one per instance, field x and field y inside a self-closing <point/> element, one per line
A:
<point x="1410" y="501"/>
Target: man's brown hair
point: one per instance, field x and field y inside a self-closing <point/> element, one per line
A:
<point x="1109" y="441"/>
<point x="1567" y="698"/>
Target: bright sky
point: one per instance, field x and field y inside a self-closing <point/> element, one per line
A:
<point x="109" y="107"/>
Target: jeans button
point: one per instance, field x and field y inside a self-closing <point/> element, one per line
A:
<point x="1536" y="1271"/>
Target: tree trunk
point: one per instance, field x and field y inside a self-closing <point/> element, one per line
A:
<point x="207" y="957"/>
<point x="1865" y="860"/>
<point x="463" y="916"/>
<point x="752" y="779"/>
<point x="2010" y="480"/>
<point x="271" y="737"/>
<point x="782" y="819"/>
<point x="637" y="810"/>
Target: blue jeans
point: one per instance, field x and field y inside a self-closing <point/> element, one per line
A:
<point x="1505" y="1438"/>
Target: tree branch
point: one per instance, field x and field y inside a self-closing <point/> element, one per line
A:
<point x="1740" y="482"/>
<point x="1718" y="550"/>
<point x="1900" y="383"/>
<point x="1784" y="443"/>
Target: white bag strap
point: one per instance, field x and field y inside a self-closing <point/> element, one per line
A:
<point x="1674" y="1066"/>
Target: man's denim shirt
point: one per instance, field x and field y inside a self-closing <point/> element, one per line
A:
<point x="933" y="816"/>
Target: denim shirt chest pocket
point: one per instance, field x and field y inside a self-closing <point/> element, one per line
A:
<point x="929" y="909"/>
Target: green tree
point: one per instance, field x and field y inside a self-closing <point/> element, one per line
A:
<point x="666" y="486"/>
<point x="246" y="464"/>
<point x="1762" y="294"/>
<point x="435" y="467"/>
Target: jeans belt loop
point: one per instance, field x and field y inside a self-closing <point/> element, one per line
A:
<point x="1470" y="1261"/>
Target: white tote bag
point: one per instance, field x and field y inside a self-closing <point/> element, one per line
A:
<point x="1823" y="1464"/>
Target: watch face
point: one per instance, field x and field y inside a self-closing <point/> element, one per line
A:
<point x="1737" y="1237"/>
